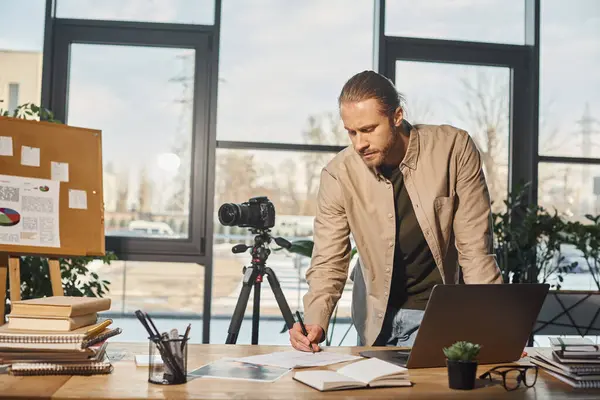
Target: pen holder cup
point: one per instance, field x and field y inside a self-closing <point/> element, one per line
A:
<point x="168" y="361"/>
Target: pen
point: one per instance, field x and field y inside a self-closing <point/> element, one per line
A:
<point x="185" y="336"/>
<point x="304" y="332"/>
<point x="95" y="330"/>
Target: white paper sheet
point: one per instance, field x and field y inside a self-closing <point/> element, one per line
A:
<point x="30" y="156"/>
<point x="298" y="359"/>
<point x="29" y="212"/>
<point x="59" y="171"/>
<point x="6" y="146"/>
<point x="78" y="199"/>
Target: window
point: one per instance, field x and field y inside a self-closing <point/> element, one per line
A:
<point x="174" y="11"/>
<point x="561" y="187"/>
<point x="569" y="81"/>
<point x="13" y="96"/>
<point x="494" y="21"/>
<point x="21" y="46"/>
<point x="281" y="69"/>
<point x="143" y="105"/>
<point x="281" y="65"/>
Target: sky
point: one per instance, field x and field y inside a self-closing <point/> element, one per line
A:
<point x="283" y="61"/>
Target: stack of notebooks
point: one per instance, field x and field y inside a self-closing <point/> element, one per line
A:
<point x="57" y="336"/>
<point x="575" y="361"/>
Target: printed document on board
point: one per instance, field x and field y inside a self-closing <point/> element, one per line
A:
<point x="29" y="213"/>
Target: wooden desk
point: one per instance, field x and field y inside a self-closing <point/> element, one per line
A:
<point x="130" y="382"/>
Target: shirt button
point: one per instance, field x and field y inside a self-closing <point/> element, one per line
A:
<point x="387" y="270"/>
<point x="391" y="244"/>
<point x="416" y="206"/>
<point x="385" y="293"/>
<point x="390" y="215"/>
<point x="380" y="315"/>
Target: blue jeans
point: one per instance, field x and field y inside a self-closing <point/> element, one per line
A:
<point x="400" y="327"/>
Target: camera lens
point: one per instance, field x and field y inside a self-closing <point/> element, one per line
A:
<point x="229" y="214"/>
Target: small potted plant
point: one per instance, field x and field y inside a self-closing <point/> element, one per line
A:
<point x="462" y="365"/>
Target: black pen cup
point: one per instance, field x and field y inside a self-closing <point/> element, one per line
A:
<point x="168" y="360"/>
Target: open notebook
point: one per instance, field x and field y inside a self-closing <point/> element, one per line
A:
<point x="372" y="372"/>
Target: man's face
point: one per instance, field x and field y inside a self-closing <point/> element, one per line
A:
<point x="370" y="131"/>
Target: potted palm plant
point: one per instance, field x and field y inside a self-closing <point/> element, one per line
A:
<point x="462" y="364"/>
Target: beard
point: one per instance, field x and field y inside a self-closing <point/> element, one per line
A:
<point x="376" y="158"/>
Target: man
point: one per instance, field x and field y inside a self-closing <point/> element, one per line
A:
<point x="416" y="202"/>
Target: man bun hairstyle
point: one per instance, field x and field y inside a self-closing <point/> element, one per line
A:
<point x="370" y="85"/>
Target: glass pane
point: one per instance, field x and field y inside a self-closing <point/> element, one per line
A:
<point x="570" y="90"/>
<point x="473" y="98"/>
<point x="291" y="181"/>
<point x="163" y="287"/>
<point x="21" y="47"/>
<point x="140" y="98"/>
<point x="175" y="11"/>
<point x="281" y="65"/>
<point x="573" y="190"/>
<point x="155" y="287"/>
<point x="493" y="21"/>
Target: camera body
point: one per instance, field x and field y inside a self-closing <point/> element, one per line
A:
<point x="257" y="213"/>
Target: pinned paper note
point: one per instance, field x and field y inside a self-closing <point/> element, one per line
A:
<point x="29" y="215"/>
<point x="78" y="199"/>
<point x="60" y="171"/>
<point x="6" y="146"/>
<point x="30" y="156"/>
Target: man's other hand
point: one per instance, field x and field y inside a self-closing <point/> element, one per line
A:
<point x="304" y="343"/>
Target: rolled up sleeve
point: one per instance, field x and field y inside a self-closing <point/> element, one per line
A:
<point x="473" y="219"/>
<point x="328" y="271"/>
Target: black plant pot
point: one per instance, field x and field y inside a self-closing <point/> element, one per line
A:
<point x="461" y="374"/>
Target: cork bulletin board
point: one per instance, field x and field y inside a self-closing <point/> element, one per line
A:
<point x="51" y="194"/>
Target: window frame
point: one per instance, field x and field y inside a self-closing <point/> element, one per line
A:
<point x="522" y="61"/>
<point x="198" y="38"/>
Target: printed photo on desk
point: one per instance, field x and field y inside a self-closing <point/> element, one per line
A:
<point x="230" y="369"/>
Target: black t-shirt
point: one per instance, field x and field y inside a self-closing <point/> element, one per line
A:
<point x="415" y="272"/>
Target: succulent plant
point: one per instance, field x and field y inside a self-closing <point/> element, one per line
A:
<point x="462" y="351"/>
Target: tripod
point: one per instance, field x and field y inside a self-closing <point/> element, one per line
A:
<point x="253" y="276"/>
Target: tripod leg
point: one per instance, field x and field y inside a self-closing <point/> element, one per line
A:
<point x="256" y="311"/>
<point x="238" y="314"/>
<point x="283" y="305"/>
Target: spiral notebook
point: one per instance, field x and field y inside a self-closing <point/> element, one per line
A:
<point x="577" y="384"/>
<point x="77" y="340"/>
<point x="581" y="368"/>
<point x="32" y="369"/>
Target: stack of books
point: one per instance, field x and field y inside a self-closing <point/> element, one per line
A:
<point x="575" y="361"/>
<point x="56" y="336"/>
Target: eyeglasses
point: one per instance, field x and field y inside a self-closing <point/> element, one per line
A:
<point x="513" y="375"/>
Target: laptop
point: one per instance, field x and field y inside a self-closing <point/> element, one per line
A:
<point x="499" y="317"/>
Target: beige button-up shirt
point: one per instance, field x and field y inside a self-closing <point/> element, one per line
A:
<point x="443" y="175"/>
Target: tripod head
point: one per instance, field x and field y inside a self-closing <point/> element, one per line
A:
<point x="260" y="250"/>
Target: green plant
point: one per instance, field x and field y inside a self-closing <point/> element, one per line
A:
<point x="32" y="112"/>
<point x="527" y="241"/>
<point x="77" y="278"/>
<point x="586" y="239"/>
<point x="462" y="351"/>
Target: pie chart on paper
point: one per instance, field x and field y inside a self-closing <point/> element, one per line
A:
<point x="9" y="217"/>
